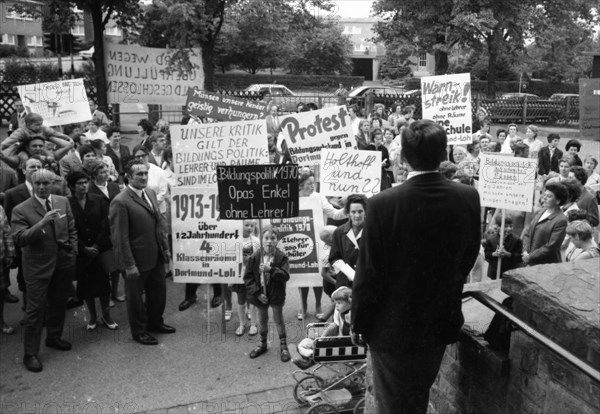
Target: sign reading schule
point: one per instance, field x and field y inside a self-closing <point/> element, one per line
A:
<point x="222" y="107"/>
<point x="257" y="191"/>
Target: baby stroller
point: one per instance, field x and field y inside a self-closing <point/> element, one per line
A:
<point x="336" y="383"/>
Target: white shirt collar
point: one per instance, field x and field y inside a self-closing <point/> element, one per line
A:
<point x="29" y="187"/>
<point x="413" y="174"/>
<point x="353" y="238"/>
<point x="136" y="191"/>
<point x="43" y="201"/>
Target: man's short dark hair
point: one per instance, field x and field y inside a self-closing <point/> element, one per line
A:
<point x="579" y="173"/>
<point x="552" y="137"/>
<point x="129" y="166"/>
<point x="424" y="145"/>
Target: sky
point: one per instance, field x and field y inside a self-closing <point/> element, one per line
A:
<point x="353" y="8"/>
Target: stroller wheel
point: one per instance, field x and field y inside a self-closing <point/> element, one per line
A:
<point x="323" y="408"/>
<point x="307" y="386"/>
<point x="359" y="408"/>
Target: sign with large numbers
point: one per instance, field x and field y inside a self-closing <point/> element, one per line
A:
<point x="446" y="99"/>
<point x="307" y="133"/>
<point x="59" y="103"/>
<point x="199" y="148"/>
<point x="589" y="108"/>
<point x="205" y="248"/>
<point x="507" y="182"/>
<point x="222" y="107"/>
<point x="299" y="240"/>
<point x="258" y="191"/>
<point x="350" y="172"/>
<point x="136" y="74"/>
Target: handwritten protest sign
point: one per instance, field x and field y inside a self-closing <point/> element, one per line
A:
<point x="447" y="100"/>
<point x="507" y="182"/>
<point x="258" y="191"/>
<point x="307" y="133"/>
<point x="205" y="248"/>
<point x="199" y="148"/>
<point x="589" y="108"/>
<point x="59" y="103"/>
<point x="299" y="240"/>
<point x="222" y="107"/>
<point x="348" y="172"/>
<point x="137" y="74"/>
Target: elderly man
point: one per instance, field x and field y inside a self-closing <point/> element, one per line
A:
<point x="141" y="251"/>
<point x="406" y="300"/>
<point x="44" y="228"/>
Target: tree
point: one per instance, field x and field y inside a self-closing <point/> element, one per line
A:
<point x="322" y="50"/>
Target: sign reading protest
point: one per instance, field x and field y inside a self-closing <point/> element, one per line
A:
<point x="507" y="182"/>
<point x="205" y="248"/>
<point x="307" y="133"/>
<point x="222" y="107"/>
<point x="258" y="191"/>
<point x="199" y="148"/>
<point x="299" y="240"/>
<point x="447" y="101"/>
<point x="59" y="103"/>
<point x="137" y="74"/>
<point x="346" y="172"/>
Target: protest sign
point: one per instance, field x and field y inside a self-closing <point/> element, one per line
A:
<point x="589" y="108"/>
<point x="299" y="240"/>
<point x="205" y="248"/>
<point x="199" y="148"/>
<point x="222" y="107"/>
<point x="258" y="191"/>
<point x="306" y="133"/>
<point x="446" y="99"/>
<point x="136" y="74"/>
<point x="346" y="172"/>
<point x="507" y="182"/>
<point x="59" y="103"/>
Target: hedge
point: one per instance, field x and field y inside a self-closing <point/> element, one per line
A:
<point x="293" y="82"/>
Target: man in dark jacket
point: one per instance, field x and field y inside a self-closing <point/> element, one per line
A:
<point x="419" y="243"/>
<point x="549" y="156"/>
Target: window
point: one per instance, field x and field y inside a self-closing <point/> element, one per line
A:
<point x="423" y="60"/>
<point x="8" y="39"/>
<point x="78" y="31"/>
<point x="34" y="41"/>
<point x="113" y="31"/>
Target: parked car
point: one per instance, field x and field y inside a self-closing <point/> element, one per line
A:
<point x="520" y="96"/>
<point x="286" y="100"/>
<point x="357" y="95"/>
<point x="562" y="97"/>
<point x="86" y="54"/>
<point x="510" y="107"/>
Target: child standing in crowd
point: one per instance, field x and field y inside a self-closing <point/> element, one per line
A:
<point x="250" y="245"/>
<point x="266" y="275"/>
<point x="510" y="251"/>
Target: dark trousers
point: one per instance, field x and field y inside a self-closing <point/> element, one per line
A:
<point x="52" y="291"/>
<point x="151" y="313"/>
<point x="401" y="380"/>
<point x="191" y="288"/>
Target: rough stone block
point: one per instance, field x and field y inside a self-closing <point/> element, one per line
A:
<point x="560" y="401"/>
<point x="516" y="402"/>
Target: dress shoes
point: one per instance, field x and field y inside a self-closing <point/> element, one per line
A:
<point x="145" y="339"/>
<point x="32" y="363"/>
<point x="216" y="302"/>
<point x="58" y="343"/>
<point x="10" y="298"/>
<point x="163" y="329"/>
<point x="186" y="304"/>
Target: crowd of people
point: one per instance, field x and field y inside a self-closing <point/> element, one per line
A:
<point x="69" y="198"/>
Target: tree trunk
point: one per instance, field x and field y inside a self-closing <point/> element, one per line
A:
<point x="441" y="56"/>
<point x="207" y="65"/>
<point x="493" y="45"/>
<point x="96" y="12"/>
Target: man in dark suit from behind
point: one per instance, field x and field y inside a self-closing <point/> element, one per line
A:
<point x="141" y="250"/>
<point x="44" y="227"/>
<point x="549" y="156"/>
<point x="420" y="241"/>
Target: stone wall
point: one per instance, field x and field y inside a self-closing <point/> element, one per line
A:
<point x="560" y="301"/>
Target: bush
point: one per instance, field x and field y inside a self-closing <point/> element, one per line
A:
<point x="294" y="82"/>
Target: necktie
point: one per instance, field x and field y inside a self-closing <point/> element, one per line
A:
<point x="147" y="200"/>
<point x="48" y="205"/>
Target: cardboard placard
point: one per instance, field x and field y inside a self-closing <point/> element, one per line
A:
<point x="446" y="99"/>
<point x="258" y="191"/>
<point x="350" y="172"/>
<point x="222" y="107"/>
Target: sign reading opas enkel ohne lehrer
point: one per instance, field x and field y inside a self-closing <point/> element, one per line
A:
<point x="507" y="182"/>
<point x="306" y="133"/>
<point x="446" y="99"/>
<point x="258" y="191"/>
